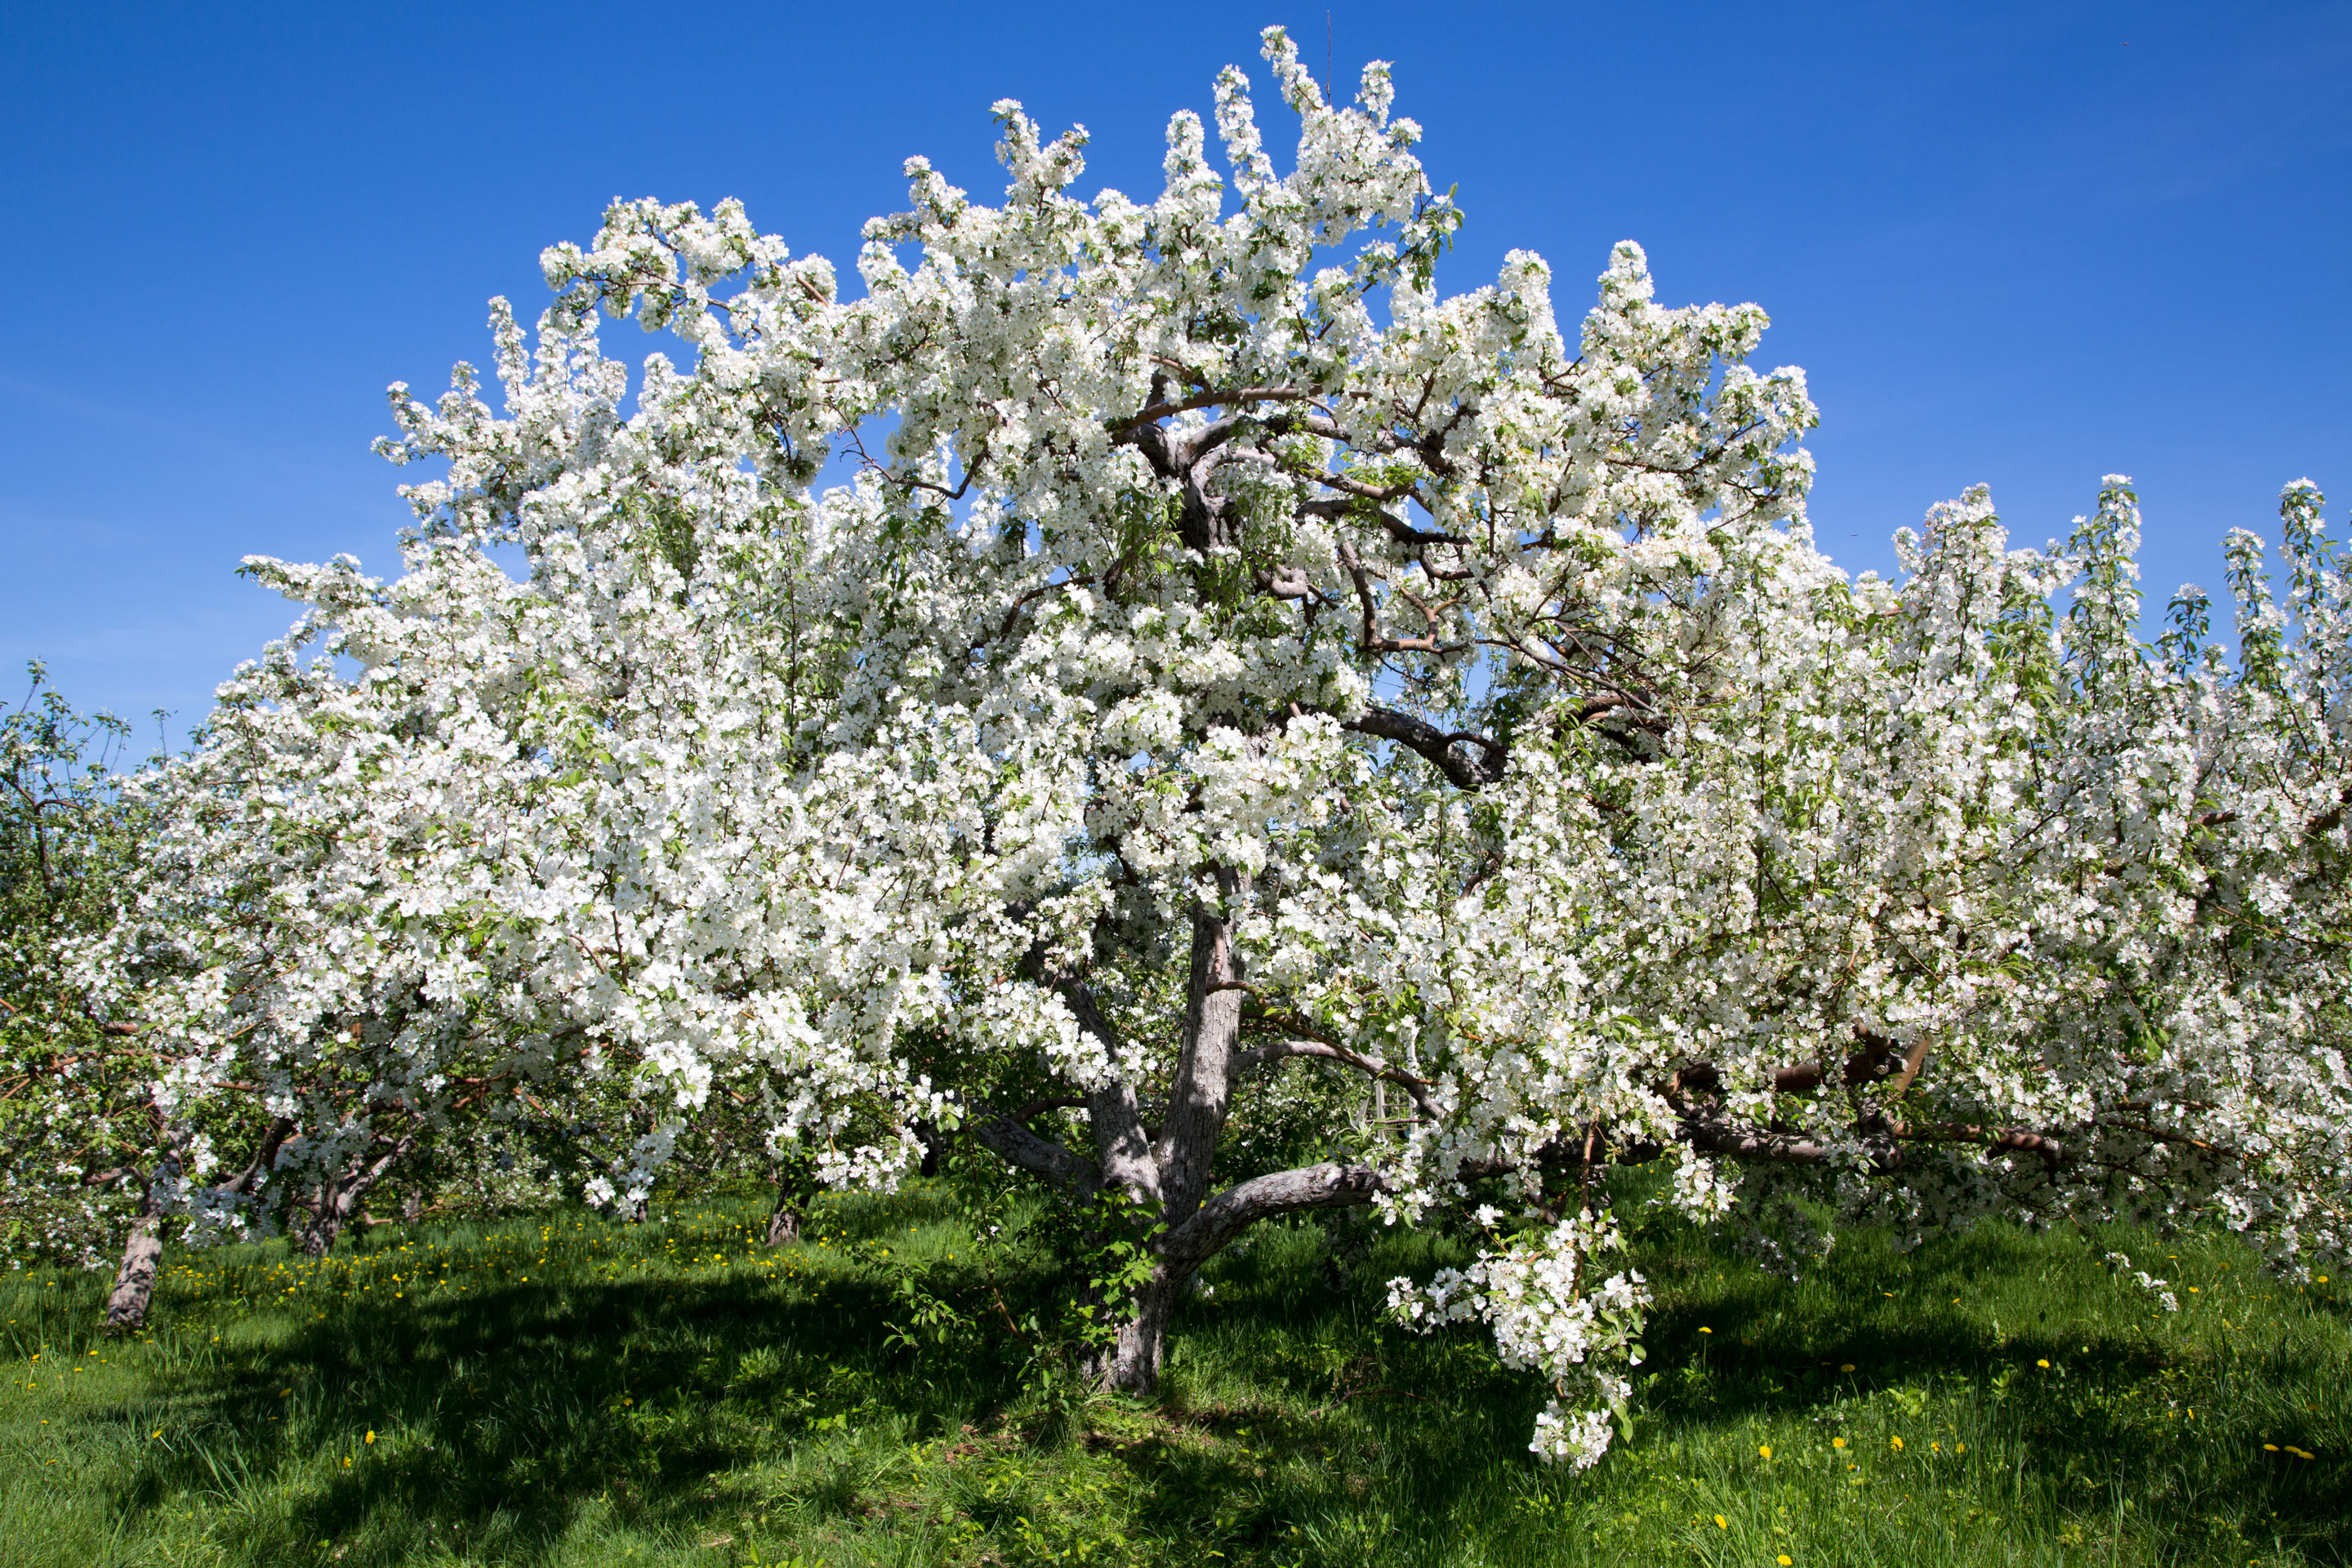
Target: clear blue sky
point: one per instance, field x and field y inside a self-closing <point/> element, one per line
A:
<point x="2022" y="243"/>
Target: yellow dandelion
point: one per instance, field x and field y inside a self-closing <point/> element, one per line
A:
<point x="1721" y="1522"/>
<point x="370" y="1437"/>
<point x="1785" y="1561"/>
<point x="1847" y="1367"/>
<point x="2269" y="1447"/>
<point x="1764" y="1450"/>
<point x="2043" y="1365"/>
<point x="1837" y="1442"/>
<point x="1896" y="1444"/>
<point x="1706" y="1331"/>
<point x="1960" y="1447"/>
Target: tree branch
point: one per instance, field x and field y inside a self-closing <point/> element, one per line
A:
<point x="1331" y="1185"/>
<point x="1438" y="745"/>
<point x="1017" y="1146"/>
<point x="1261" y="1056"/>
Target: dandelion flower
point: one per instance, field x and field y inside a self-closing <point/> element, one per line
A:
<point x="1847" y="1367"/>
<point x="1706" y="1331"/>
<point x="1784" y="1560"/>
<point x="2269" y="1447"/>
<point x="1721" y="1522"/>
<point x="1896" y="1444"/>
<point x="1764" y="1450"/>
<point x="1837" y="1442"/>
<point x="2043" y="1365"/>
<point x="370" y="1437"/>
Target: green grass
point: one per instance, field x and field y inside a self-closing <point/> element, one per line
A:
<point x="576" y="1391"/>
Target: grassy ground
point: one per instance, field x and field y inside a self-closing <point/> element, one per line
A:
<point x="576" y="1391"/>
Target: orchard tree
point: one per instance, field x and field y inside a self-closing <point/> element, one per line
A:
<point x="1230" y="657"/>
<point x="77" y="1130"/>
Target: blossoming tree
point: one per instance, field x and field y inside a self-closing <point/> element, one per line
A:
<point x="1230" y="657"/>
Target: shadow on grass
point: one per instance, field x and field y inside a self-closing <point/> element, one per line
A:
<point x="506" y="1420"/>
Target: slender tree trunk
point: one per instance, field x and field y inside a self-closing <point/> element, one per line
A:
<point x="134" y="1282"/>
<point x="1169" y="1176"/>
<point x="796" y="1188"/>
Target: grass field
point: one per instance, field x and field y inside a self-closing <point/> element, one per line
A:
<point x="576" y="1391"/>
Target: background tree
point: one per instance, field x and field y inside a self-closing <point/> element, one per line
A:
<point x="75" y="1124"/>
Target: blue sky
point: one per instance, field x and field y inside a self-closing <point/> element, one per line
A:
<point x="2023" y="245"/>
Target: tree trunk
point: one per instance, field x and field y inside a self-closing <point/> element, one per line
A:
<point x="784" y="1224"/>
<point x="1130" y="1363"/>
<point x="339" y="1196"/>
<point x="1181" y="1159"/>
<point x="134" y="1282"/>
<point x="335" y="1201"/>
<point x="1170" y="1175"/>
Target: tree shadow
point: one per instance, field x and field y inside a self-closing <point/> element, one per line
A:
<point x="506" y="1419"/>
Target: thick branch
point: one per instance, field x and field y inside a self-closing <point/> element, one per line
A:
<point x="1017" y="1146"/>
<point x="1331" y="1185"/>
<point x="1880" y="1058"/>
<point x="1214" y="398"/>
<point x="1439" y="746"/>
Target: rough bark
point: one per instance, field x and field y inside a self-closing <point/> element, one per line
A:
<point x="1202" y="1094"/>
<point x="143" y="1250"/>
<point x="134" y="1282"/>
<point x="1132" y="1362"/>
<point x="1010" y="1141"/>
<point x="339" y="1195"/>
<point x="795" y="1189"/>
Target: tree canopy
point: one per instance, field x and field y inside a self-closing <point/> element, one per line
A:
<point x="1228" y="665"/>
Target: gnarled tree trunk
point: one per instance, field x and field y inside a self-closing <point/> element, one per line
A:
<point x="142" y="1253"/>
<point x="1169" y="1175"/>
<point x="339" y="1195"/>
